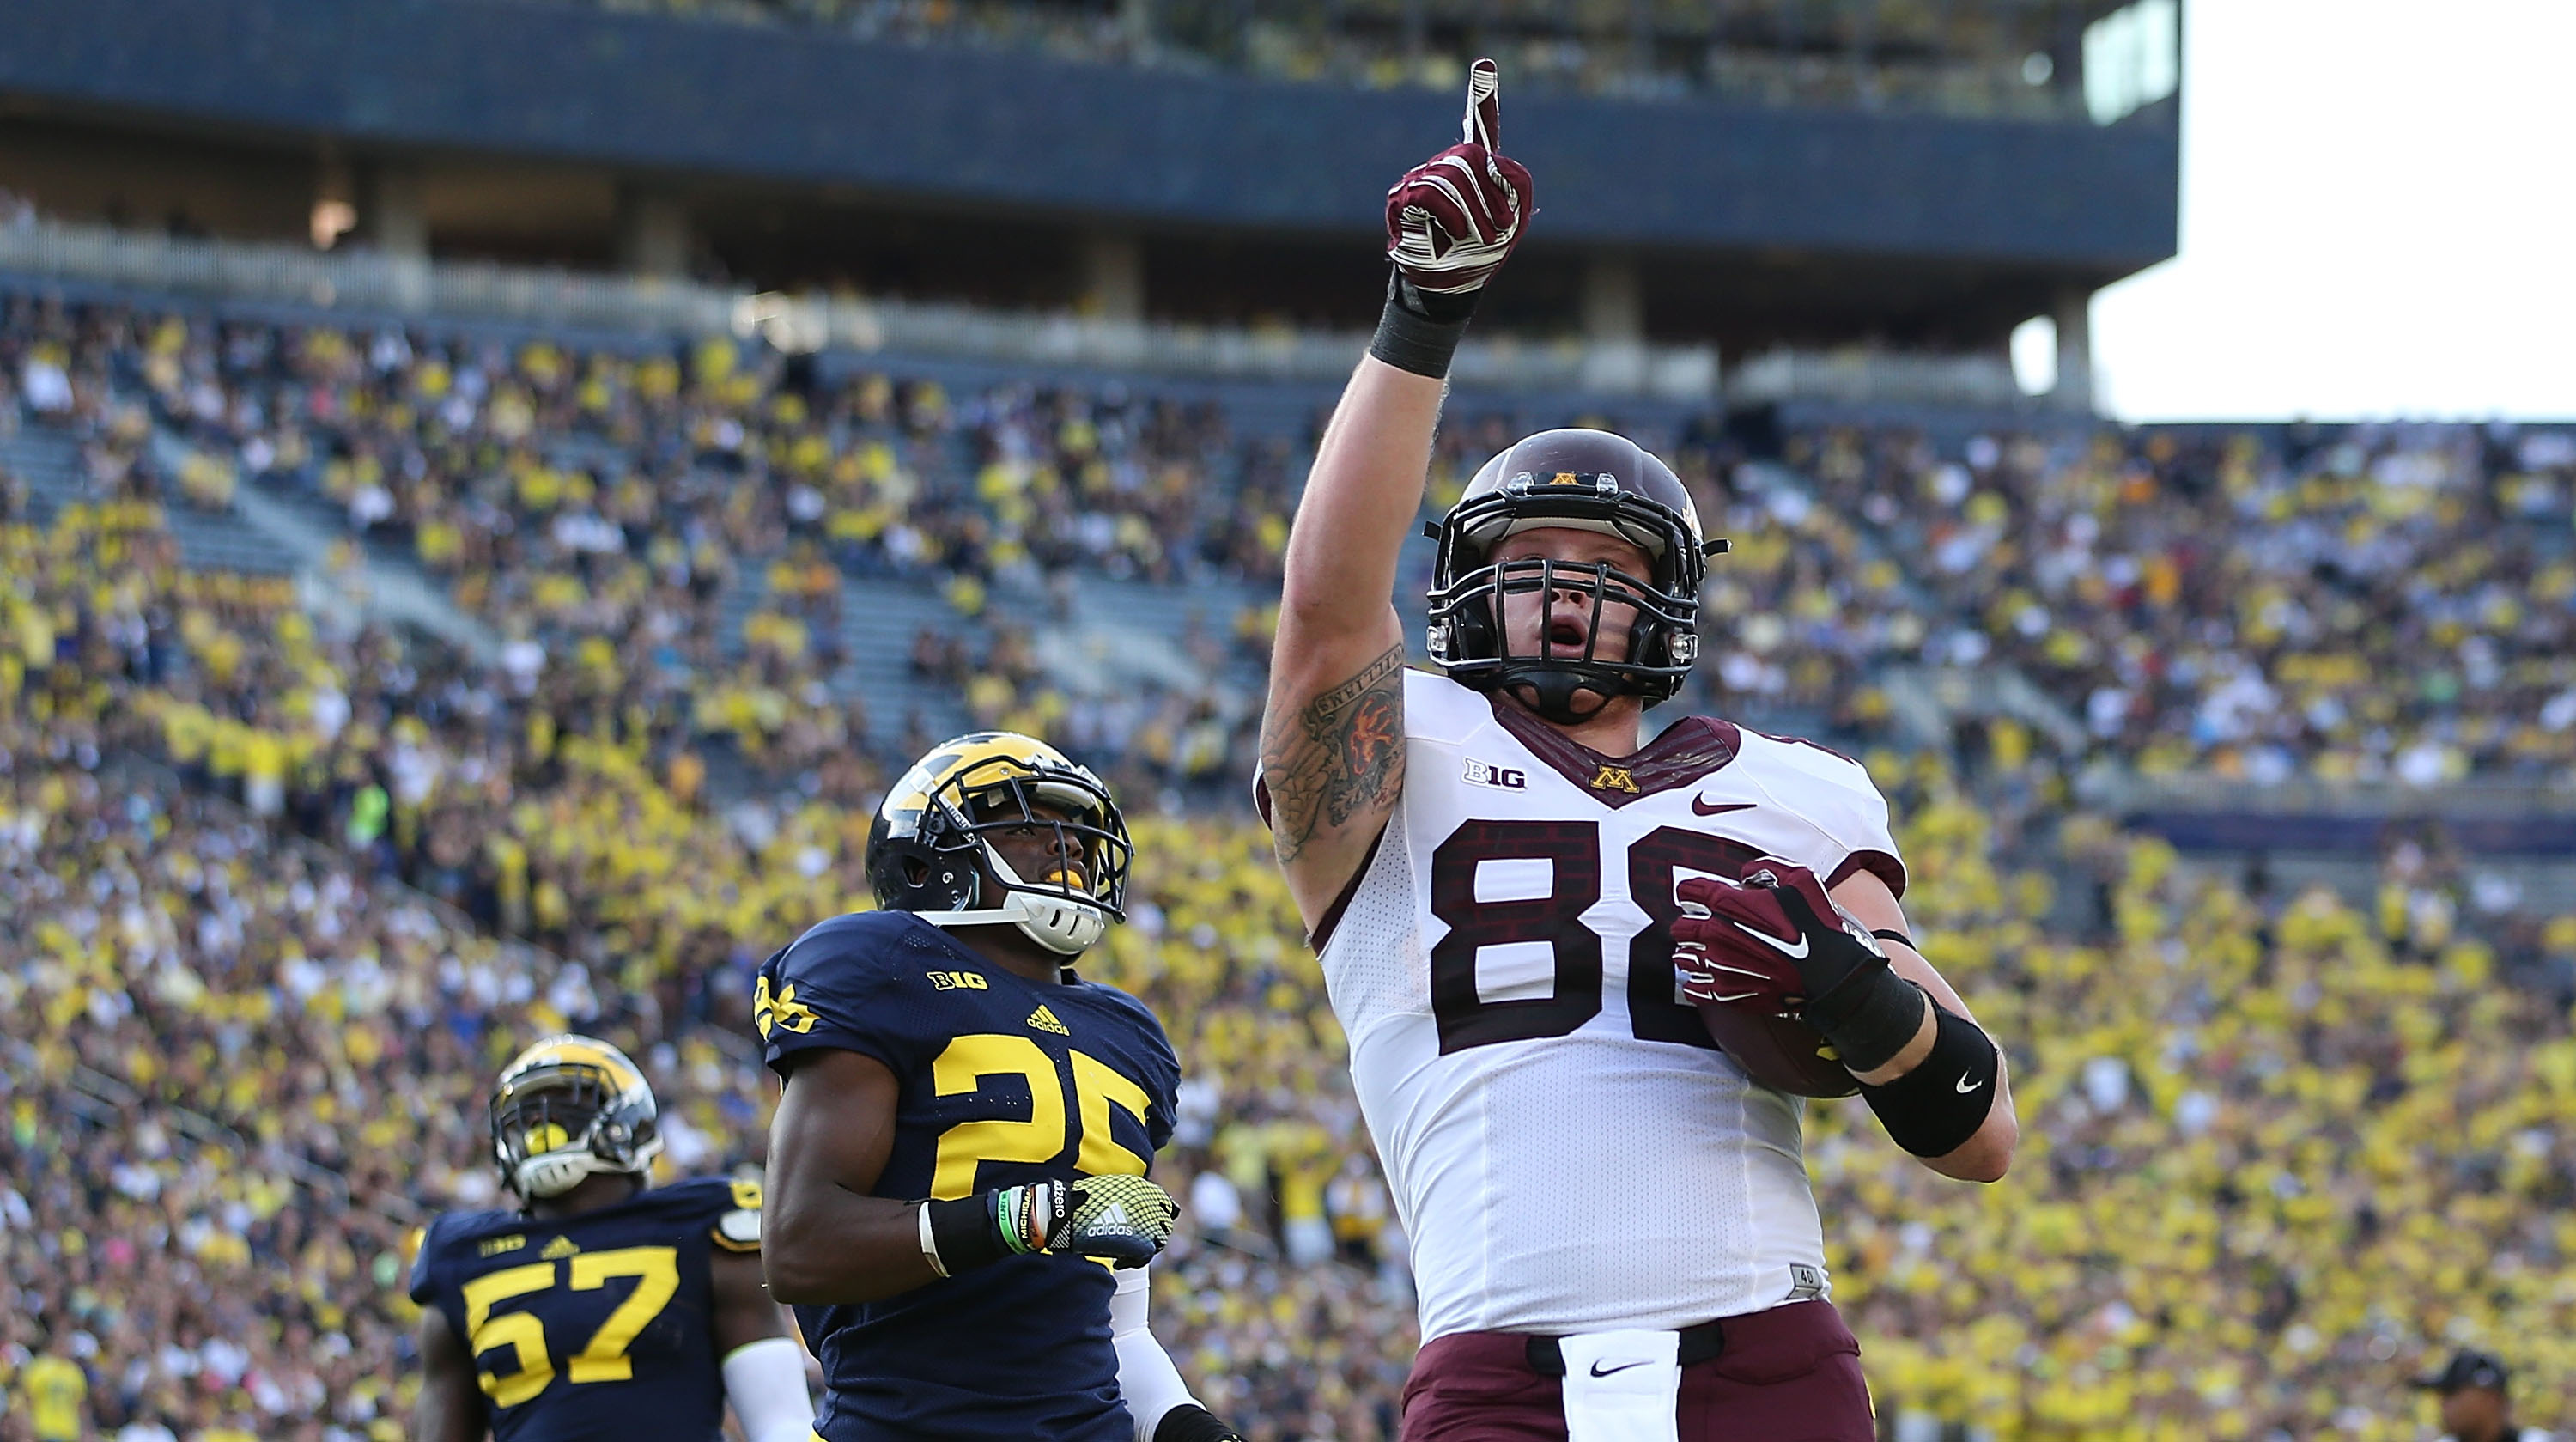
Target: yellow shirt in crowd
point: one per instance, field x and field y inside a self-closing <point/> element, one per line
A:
<point x="56" y="1389"/>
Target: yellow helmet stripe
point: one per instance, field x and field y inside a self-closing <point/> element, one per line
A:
<point x="574" y="1051"/>
<point x="1026" y="756"/>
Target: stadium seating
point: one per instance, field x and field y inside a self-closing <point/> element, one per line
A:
<point x="238" y="1072"/>
<point x="2266" y="1161"/>
<point x="2275" y="1147"/>
<point x="700" y="516"/>
<point x="663" y="522"/>
<point x="672" y="905"/>
<point x="2389" y="605"/>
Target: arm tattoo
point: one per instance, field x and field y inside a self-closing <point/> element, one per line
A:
<point x="1341" y="754"/>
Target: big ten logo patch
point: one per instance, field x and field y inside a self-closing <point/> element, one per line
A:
<point x="1501" y="778"/>
<point x="958" y="980"/>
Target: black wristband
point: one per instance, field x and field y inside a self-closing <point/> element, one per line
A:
<point x="965" y="1233"/>
<point x="1419" y="331"/>
<point x="1869" y="1018"/>
<point x="1191" y="1422"/>
<point x="1933" y="1109"/>
<point x="1890" y="934"/>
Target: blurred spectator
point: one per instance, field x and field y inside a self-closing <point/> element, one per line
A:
<point x="55" y="1391"/>
<point x="2474" y="1405"/>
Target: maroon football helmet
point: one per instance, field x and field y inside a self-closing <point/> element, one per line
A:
<point x="1586" y="480"/>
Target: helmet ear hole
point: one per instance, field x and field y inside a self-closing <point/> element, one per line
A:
<point x="1478" y="630"/>
<point x="916" y="870"/>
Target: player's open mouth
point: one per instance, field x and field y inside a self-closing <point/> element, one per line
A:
<point x="1567" y="635"/>
<point x="1068" y="877"/>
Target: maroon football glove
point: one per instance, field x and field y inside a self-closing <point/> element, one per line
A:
<point x="1452" y="219"/>
<point x="1778" y="944"/>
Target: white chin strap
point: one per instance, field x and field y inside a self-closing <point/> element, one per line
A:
<point x="551" y="1174"/>
<point x="1067" y="928"/>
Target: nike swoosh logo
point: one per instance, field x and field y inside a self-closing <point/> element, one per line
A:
<point x="1727" y="998"/>
<point x="1794" y="953"/>
<point x="1700" y="807"/>
<point x="1600" y="1371"/>
<point x="1966" y="1086"/>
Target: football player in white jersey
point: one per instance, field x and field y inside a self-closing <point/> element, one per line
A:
<point x="1532" y="919"/>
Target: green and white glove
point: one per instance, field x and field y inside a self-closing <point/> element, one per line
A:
<point x="1119" y="1219"/>
<point x="1122" y="1220"/>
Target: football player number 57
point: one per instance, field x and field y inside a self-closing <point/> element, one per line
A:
<point x="656" y="1271"/>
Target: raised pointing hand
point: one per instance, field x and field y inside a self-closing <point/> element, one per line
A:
<point x="1452" y="220"/>
<point x="1484" y="106"/>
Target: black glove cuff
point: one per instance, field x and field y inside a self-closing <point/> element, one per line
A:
<point x="1869" y="1017"/>
<point x="1419" y="331"/>
<point x="966" y="1232"/>
<point x="1932" y="1110"/>
<point x="1191" y="1422"/>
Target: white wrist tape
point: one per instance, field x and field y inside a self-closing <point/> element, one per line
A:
<point x="765" y="1381"/>
<point x="929" y="1243"/>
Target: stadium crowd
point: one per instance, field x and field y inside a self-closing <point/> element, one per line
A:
<point x="608" y="508"/>
<point x="2276" y="1147"/>
<point x="197" y="949"/>
<point x="600" y="504"/>
<point x="2393" y="604"/>
<point x="2273" y="1153"/>
<point x="243" y="1071"/>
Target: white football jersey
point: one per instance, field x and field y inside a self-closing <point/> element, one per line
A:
<point x="1569" y="1150"/>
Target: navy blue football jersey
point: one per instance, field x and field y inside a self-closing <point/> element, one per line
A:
<point x="1003" y="1081"/>
<point x="596" y="1326"/>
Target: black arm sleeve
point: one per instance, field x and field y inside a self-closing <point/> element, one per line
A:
<point x="1420" y="331"/>
<point x="1933" y="1109"/>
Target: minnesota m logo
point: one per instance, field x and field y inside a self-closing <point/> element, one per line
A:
<point x="1615" y="778"/>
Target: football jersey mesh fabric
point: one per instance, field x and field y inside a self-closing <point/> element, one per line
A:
<point x="1568" y="1150"/>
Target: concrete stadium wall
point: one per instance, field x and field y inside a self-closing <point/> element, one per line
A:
<point x="1023" y="133"/>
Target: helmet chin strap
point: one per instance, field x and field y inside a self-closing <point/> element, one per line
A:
<point x="1549" y="691"/>
<point x="1553" y="696"/>
<point x="554" y="1173"/>
<point x="551" y="1174"/>
<point x="1067" y="928"/>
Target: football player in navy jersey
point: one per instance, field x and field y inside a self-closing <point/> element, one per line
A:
<point x="958" y="1202"/>
<point x="601" y="1307"/>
